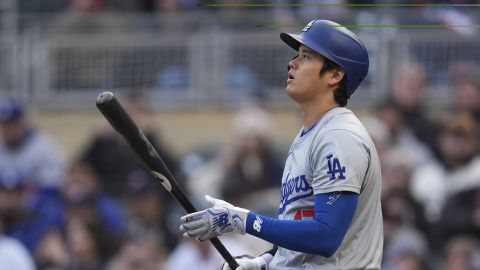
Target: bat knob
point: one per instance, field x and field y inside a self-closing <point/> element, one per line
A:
<point x="105" y="97"/>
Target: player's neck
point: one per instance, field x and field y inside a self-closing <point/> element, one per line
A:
<point x="312" y="113"/>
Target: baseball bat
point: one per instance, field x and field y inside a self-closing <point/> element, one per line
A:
<point x="116" y="115"/>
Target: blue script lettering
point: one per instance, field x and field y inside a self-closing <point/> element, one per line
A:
<point x="293" y="189"/>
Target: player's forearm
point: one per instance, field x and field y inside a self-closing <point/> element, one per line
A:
<point x="322" y="235"/>
<point x="307" y="236"/>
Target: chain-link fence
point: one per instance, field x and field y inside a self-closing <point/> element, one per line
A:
<point x="185" y="62"/>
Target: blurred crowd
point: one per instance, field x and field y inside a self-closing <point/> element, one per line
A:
<point x="281" y="13"/>
<point x="431" y="172"/>
<point x="102" y="210"/>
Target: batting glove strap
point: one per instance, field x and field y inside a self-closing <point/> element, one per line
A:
<point x="238" y="218"/>
<point x="227" y="219"/>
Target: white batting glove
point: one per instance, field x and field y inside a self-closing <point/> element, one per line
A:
<point x="246" y="262"/>
<point x="219" y="219"/>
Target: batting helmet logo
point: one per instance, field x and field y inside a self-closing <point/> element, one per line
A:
<point x="308" y="26"/>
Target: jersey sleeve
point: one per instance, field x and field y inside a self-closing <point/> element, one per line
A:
<point x="339" y="161"/>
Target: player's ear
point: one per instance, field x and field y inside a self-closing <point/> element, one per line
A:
<point x="335" y="76"/>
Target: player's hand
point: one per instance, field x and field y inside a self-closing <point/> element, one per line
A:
<point x="219" y="219"/>
<point x="246" y="262"/>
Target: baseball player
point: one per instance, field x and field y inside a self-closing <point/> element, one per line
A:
<point x="329" y="215"/>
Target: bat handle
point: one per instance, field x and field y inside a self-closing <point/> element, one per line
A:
<point x="224" y="252"/>
<point x="215" y="241"/>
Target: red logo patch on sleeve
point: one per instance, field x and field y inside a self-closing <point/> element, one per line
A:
<point x="304" y="214"/>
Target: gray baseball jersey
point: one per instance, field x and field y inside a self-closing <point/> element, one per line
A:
<point x="337" y="154"/>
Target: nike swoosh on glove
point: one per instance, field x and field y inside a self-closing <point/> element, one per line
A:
<point x="220" y="218"/>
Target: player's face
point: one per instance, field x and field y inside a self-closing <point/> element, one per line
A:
<point x="304" y="80"/>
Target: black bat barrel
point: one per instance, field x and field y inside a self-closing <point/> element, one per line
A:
<point x="116" y="115"/>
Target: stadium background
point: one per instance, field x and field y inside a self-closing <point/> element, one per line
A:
<point x="205" y="79"/>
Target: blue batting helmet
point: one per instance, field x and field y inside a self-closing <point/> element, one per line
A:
<point x="336" y="43"/>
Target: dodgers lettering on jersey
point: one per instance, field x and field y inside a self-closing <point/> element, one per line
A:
<point x="294" y="188"/>
<point x="336" y="155"/>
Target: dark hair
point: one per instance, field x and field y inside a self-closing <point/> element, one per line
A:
<point x="340" y="94"/>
